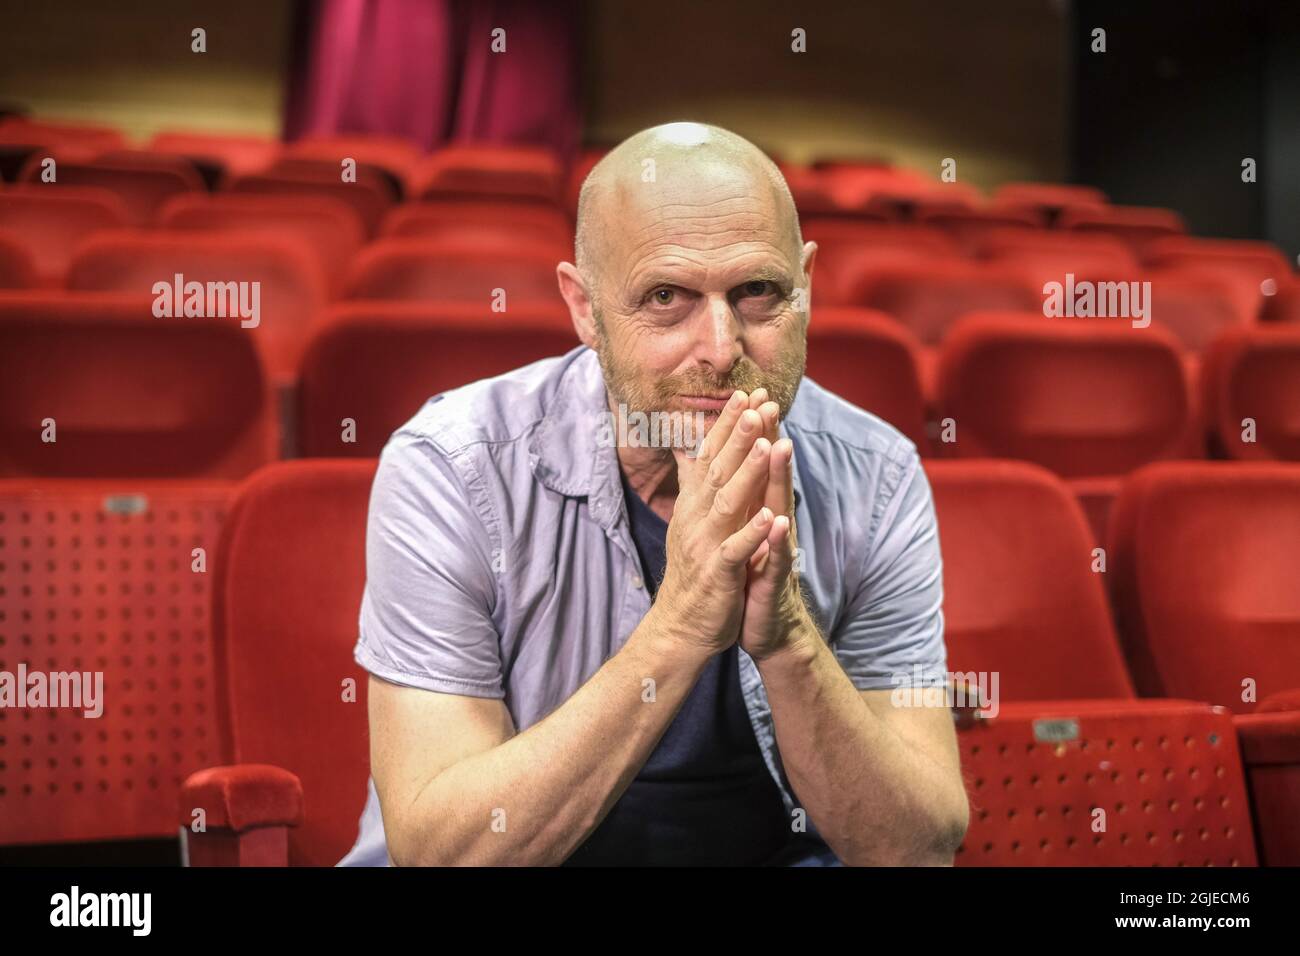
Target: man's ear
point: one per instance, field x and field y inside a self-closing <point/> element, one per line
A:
<point x="808" y="259"/>
<point x="578" y="300"/>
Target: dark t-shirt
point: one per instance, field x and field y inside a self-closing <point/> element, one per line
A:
<point x="705" y="796"/>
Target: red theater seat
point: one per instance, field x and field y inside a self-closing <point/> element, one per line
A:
<point x="21" y="139"/>
<point x="17" y="264"/>
<point x="872" y="188"/>
<point x="1284" y="305"/>
<point x="1195" y="306"/>
<point x="1047" y="199"/>
<point x="51" y="222"/>
<point x="370" y="196"/>
<point x="1089" y="401"/>
<point x="1076" y="396"/>
<point x="130" y="395"/>
<point x="331" y="229"/>
<point x="218" y="156"/>
<point x="292" y="287"/>
<point x="103" y="576"/>
<point x="1049" y="255"/>
<point x="1205" y="558"/>
<point x="919" y="200"/>
<point x="1020" y="596"/>
<point x="291" y="702"/>
<point x="1134" y="224"/>
<point x="1022" y="601"/>
<point x="1254" y="373"/>
<point x="143" y="181"/>
<point x="1256" y="269"/>
<point x="395" y="157"/>
<point x="500" y="222"/>
<point x="969" y="225"/>
<point x="525" y="173"/>
<point x="450" y="271"/>
<point x="376" y="363"/>
<point x="927" y="297"/>
<point x="845" y="246"/>
<point x="868" y="359"/>
<point x="1166" y="774"/>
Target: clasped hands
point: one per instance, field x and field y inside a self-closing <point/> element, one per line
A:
<point x="730" y="573"/>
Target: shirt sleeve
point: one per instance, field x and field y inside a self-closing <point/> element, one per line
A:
<point x="426" y="615"/>
<point x="892" y="633"/>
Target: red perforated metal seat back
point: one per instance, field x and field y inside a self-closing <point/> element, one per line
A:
<point x="1105" y="783"/>
<point x="103" y="576"/>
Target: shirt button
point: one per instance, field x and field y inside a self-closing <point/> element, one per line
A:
<point x="637" y="582"/>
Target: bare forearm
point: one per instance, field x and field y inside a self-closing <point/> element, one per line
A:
<point x="873" y="798"/>
<point x="535" y="798"/>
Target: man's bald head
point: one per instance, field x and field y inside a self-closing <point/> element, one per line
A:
<point x="674" y="162"/>
<point x="691" y="279"/>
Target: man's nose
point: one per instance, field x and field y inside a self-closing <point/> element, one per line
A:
<point x="719" y="340"/>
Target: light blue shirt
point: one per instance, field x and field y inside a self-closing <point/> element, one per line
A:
<point x="499" y="560"/>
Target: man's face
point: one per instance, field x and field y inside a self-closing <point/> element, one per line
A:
<point x="696" y="295"/>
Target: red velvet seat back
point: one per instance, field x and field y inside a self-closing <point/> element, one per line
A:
<point x="929" y="297"/>
<point x="51" y="222"/>
<point x="1083" y="397"/>
<point x="130" y="395"/>
<point x="1020" y="596"/>
<point x="290" y="573"/>
<point x="143" y="181"/>
<point x="330" y="229"/>
<point x="868" y="359"/>
<point x="450" y="271"/>
<point x="292" y="287"/>
<point x="1254" y="373"/>
<point x="376" y="363"/>
<point x="1206" y="558"/>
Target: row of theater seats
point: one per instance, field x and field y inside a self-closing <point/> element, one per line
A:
<point x="305" y="252"/>
<point x="395" y="170"/>
<point x="132" y="395"/>
<point x="228" y="685"/>
<point x="467" y="220"/>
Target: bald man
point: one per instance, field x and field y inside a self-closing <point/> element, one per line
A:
<point x="590" y="648"/>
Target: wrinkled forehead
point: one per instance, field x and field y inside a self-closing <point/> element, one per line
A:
<point x="695" y="208"/>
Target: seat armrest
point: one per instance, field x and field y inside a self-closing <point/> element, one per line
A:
<point x="239" y="815"/>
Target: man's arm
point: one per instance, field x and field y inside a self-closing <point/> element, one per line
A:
<point x="456" y="784"/>
<point x="882" y="783"/>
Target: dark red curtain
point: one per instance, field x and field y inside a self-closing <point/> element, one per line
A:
<point x="425" y="70"/>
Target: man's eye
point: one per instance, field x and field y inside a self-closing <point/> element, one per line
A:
<point x="663" y="296"/>
<point x="758" y="287"/>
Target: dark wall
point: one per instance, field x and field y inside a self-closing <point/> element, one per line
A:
<point x="1281" y="163"/>
<point x="1166" y="115"/>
